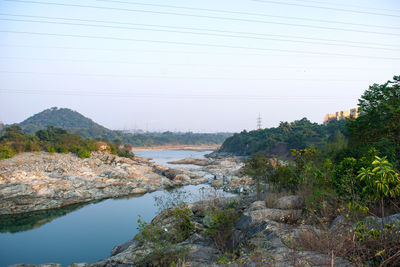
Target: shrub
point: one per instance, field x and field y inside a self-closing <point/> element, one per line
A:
<point x="363" y="245"/>
<point x="163" y="241"/>
<point x="62" y="149"/>
<point x="219" y="224"/>
<point x="80" y="152"/>
<point x="6" y="152"/>
<point x="51" y="149"/>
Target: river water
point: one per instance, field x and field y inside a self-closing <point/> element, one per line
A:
<point x="84" y="233"/>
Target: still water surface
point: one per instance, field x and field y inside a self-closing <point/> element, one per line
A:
<point x="82" y="233"/>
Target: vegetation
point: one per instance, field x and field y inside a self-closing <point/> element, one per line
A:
<point x="53" y="140"/>
<point x="278" y="141"/>
<point x="348" y="168"/>
<point x="75" y="122"/>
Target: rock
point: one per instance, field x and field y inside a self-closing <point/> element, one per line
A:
<point x="181" y="179"/>
<point x="289" y="203"/>
<point x="257" y="205"/>
<point x="79" y="265"/>
<point x="49" y="265"/>
<point x="338" y="223"/>
<point x="375" y="222"/>
<point x="124" y="246"/>
<point x="277" y="215"/>
<point x="202" y="253"/>
<point x="217" y="183"/>
<point x="39" y="181"/>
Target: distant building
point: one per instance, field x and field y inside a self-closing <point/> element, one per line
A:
<point x="340" y="115"/>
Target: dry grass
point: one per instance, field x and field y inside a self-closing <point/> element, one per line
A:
<point x="382" y="250"/>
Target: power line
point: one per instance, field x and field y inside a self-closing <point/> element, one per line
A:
<point x="141" y="50"/>
<point x="197" y="44"/>
<point x="187" y="64"/>
<point x="328" y="8"/>
<point x="202" y="33"/>
<point x="180" y="96"/>
<point x="347" y="5"/>
<point x="208" y="17"/>
<point x="170" y="77"/>
<point x="196" y="29"/>
<point x="243" y="13"/>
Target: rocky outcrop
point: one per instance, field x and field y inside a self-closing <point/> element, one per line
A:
<point x="40" y="181"/>
<point x="227" y="175"/>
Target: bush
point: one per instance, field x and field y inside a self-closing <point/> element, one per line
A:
<point x="51" y="149"/>
<point x="283" y="179"/>
<point x="6" y="152"/>
<point x="163" y="240"/>
<point x="219" y="223"/>
<point x="81" y="152"/>
<point x="62" y="149"/>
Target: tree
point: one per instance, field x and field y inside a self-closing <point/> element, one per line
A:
<point x="381" y="180"/>
<point x="258" y="167"/>
<point x="379" y="117"/>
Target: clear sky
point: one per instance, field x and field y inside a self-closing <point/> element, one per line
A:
<point x="210" y="65"/>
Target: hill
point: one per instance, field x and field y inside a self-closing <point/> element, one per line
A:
<point x="67" y="119"/>
<point x="75" y="122"/>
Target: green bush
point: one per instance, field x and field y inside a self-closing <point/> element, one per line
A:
<point x="163" y="241"/>
<point x="51" y="149"/>
<point x="62" y="149"/>
<point x="219" y="224"/>
<point x="283" y="178"/>
<point x="80" y="152"/>
<point x="6" y="152"/>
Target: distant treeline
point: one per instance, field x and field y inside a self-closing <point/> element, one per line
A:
<point x="156" y="139"/>
<point x="53" y="140"/>
<point x="75" y="122"/>
<point x="278" y="141"/>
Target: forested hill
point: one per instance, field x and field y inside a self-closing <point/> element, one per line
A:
<point x="75" y="122"/>
<point x="67" y="119"/>
<point x="278" y="141"/>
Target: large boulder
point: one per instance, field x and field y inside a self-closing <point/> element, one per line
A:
<point x="255" y="217"/>
<point x="277" y="215"/>
<point x="257" y="205"/>
<point x="289" y="203"/>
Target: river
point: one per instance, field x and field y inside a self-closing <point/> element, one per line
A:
<point x="84" y="233"/>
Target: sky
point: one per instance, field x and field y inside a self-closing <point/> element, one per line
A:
<point x="201" y="66"/>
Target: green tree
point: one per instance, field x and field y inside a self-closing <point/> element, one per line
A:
<point x="258" y="167"/>
<point x="379" y="120"/>
<point x="382" y="181"/>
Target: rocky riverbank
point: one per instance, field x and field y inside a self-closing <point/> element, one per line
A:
<point x="40" y="181"/>
<point x="237" y="231"/>
<point x="259" y="236"/>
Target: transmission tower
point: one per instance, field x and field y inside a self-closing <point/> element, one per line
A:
<point x="259" y="125"/>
